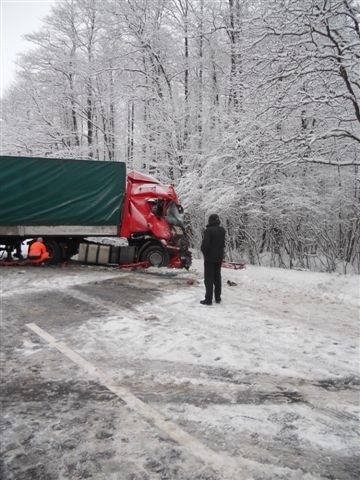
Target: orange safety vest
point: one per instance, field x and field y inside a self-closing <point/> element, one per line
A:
<point x="37" y="250"/>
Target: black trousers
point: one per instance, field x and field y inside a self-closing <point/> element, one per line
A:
<point x="212" y="280"/>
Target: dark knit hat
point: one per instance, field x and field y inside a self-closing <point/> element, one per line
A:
<point x="214" y="219"/>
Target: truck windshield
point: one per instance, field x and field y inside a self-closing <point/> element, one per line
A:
<point x="175" y="214"/>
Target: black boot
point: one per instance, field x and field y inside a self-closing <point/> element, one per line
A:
<point x="205" y="302"/>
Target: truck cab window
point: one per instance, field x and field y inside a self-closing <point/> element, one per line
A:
<point x="175" y="214"/>
<point x="157" y="207"/>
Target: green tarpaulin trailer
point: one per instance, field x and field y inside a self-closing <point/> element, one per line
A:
<point x="60" y="196"/>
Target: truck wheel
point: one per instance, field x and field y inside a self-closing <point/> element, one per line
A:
<point x="55" y="251"/>
<point x="155" y="255"/>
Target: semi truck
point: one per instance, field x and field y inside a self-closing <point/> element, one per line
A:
<point x="91" y="208"/>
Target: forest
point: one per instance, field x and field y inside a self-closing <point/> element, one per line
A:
<point x="250" y="108"/>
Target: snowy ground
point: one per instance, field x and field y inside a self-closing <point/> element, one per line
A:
<point x="121" y="375"/>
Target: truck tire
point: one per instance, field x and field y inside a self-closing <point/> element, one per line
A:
<point x="55" y="251"/>
<point x="155" y="255"/>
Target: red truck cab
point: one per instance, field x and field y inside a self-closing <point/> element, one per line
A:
<point x="153" y="221"/>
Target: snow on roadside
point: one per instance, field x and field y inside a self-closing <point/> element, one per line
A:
<point x="276" y="322"/>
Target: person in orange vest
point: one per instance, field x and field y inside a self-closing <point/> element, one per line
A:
<point x="37" y="251"/>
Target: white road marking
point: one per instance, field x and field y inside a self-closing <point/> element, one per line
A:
<point x="224" y="464"/>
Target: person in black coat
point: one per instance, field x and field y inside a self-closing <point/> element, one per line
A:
<point x="212" y="247"/>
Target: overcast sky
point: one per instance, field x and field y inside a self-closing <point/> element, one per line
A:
<point x="17" y="18"/>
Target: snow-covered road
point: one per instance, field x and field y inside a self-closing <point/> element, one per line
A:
<point x="126" y="376"/>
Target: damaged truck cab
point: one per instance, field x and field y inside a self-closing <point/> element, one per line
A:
<point x="153" y="221"/>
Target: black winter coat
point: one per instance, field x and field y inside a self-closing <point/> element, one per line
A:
<point x="213" y="243"/>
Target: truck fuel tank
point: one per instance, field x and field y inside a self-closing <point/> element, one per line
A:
<point x="106" y="254"/>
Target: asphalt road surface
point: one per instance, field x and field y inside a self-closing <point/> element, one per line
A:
<point x="74" y="406"/>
